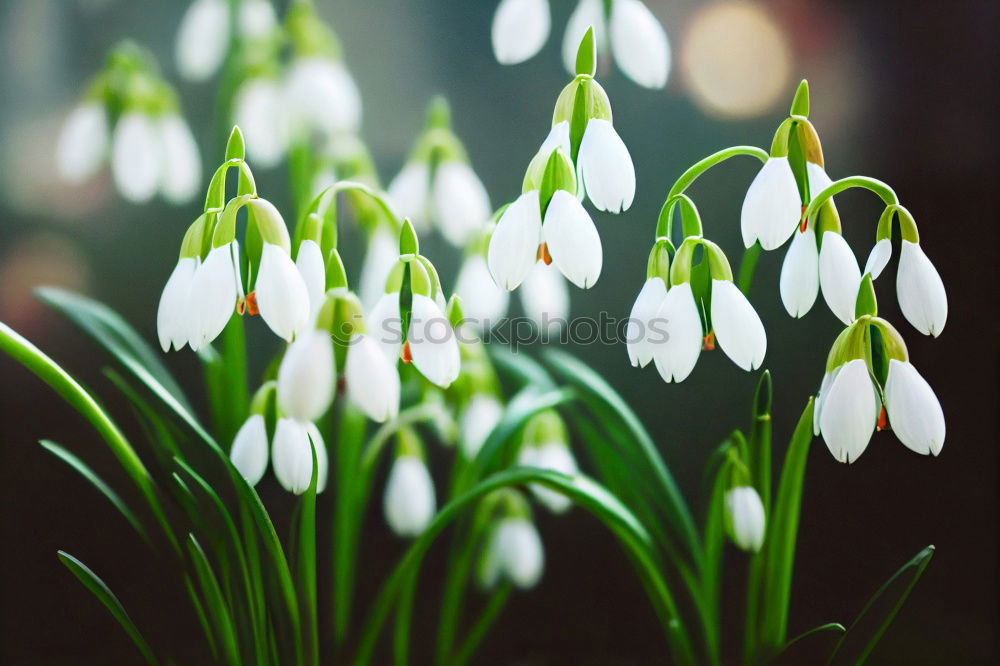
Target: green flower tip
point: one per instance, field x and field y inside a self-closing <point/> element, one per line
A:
<point x="800" y="103"/>
<point x="586" y="54"/>
<point x="235" y="146"/>
<point x="438" y="113"/>
<point x="408" y="243"/>
<point x="455" y="314"/>
<point x="866" y="303"/>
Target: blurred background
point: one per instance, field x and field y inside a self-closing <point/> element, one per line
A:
<point x="899" y="92"/>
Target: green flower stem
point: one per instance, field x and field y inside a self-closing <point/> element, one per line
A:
<point x="347" y="518"/>
<point x="35" y="360"/>
<point x="492" y="610"/>
<point x="747" y="267"/>
<point x="883" y="191"/>
<point x="330" y="216"/>
<point x="700" y="167"/>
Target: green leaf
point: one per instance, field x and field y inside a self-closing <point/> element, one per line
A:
<point x="495" y="604"/>
<point x="219" y="613"/>
<point x="871" y="623"/>
<point x="520" y="367"/>
<point x="810" y="647"/>
<point x="307" y="561"/>
<point x="104" y="594"/>
<point x="96" y="481"/>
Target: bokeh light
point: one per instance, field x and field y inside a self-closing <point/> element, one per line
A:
<point x="41" y="259"/>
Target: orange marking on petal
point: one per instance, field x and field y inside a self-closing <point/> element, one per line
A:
<point x="543" y="254"/>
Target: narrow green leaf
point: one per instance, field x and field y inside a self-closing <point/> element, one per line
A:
<point x="104" y="594"/>
<point x="307" y="563"/>
<point x="810" y="647"/>
<point x="863" y="635"/>
<point x="748" y="265"/>
<point x="352" y="495"/>
<point x="217" y="610"/>
<point x="498" y="599"/>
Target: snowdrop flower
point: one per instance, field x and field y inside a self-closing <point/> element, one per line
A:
<point x="459" y="201"/>
<point x="914" y="411"/>
<point x="216" y="288"/>
<point x="737" y="326"/>
<point x="259" y="109"/>
<point x="520" y="28"/>
<point x="83" y="142"/>
<point x="172" y="315"/>
<point x="180" y="171"/>
<point x="675" y="357"/>
<point x="372" y="379"/>
<point x="514" y="245"/>
<point x="920" y="291"/>
<point x="640" y="321"/>
<point x="606" y="166"/>
<point x="280" y="293"/>
<point x="202" y="39"/>
<point x="879" y="257"/>
<point x="309" y="262"/>
<point x="322" y="95"/>
<point x="477" y="421"/>
<point x="483" y="302"/>
<point x="383" y="251"/>
<point x="772" y="205"/>
<point x="136" y="156"/>
<point x="515" y="553"/>
<point x="249" y="451"/>
<point x="839" y="276"/>
<point x="556" y="456"/>
<point x="291" y="456"/>
<point x="545" y="297"/>
<point x="386" y="324"/>
<point x="307" y="376"/>
<point x="432" y="342"/>
<point x="745" y="518"/>
<point x="799" y="282"/>
<point x="638" y="42"/>
<point x="849" y="411"/>
<point x="409" y="497"/>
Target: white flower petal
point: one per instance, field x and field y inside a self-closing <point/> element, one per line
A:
<point x="460" y="202"/>
<point x="737" y="326"/>
<point x="640" y="329"/>
<point x="606" y="167"/>
<point x="249" y="451"/>
<point x="382" y="254"/>
<point x="180" y="173"/>
<point x="410" y="191"/>
<point x="824" y="389"/>
<point x="483" y="302"/>
<point x="257" y="19"/>
<point x="307" y="376"/>
<point x="519" y="551"/>
<point x="281" y="293"/>
<point x="83" y="142"/>
<point x="745" y="518"/>
<point x="520" y="28"/>
<point x="839" y="276"/>
<point x="215" y="289"/>
<point x="799" y="283"/>
<point x="202" y="39"/>
<point x="587" y="13"/>
<point x="879" y="258"/>
<point x="477" y="421"/>
<point x="291" y="456"/>
<point x="385" y="325"/>
<point x="772" y="206"/>
<point x="322" y="95"/>
<point x="259" y="109"/>
<point x="914" y="411"/>
<point x="545" y="297"/>
<point x="557" y="457"/>
<point x="676" y="351"/>
<point x="433" y="343"/>
<point x="818" y="179"/>
<point x="849" y="412"/>
<point x="572" y="240"/>
<point x="639" y="43"/>
<point x="920" y="291"/>
<point x="174" y="312"/>
<point x="409" y="497"/>
<point x="310" y="265"/>
<point x="136" y="157"/>
<point x="514" y="244"/>
<point x="372" y="379"/>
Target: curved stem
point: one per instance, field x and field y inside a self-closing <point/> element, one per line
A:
<point x="883" y="191"/>
<point x="700" y="167"/>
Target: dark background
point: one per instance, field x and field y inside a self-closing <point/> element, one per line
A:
<point x="902" y="91"/>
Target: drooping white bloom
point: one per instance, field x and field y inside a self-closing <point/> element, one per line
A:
<point x="545" y="297"/>
<point x="372" y="379"/>
<point x="291" y="456"/>
<point x="557" y="457"/>
<point x="180" y="172"/>
<point x="920" y="291"/>
<point x="281" y="293"/>
<point x="520" y="28"/>
<point x="410" y="191"/>
<point x="914" y="411"/>
<point x="772" y="206"/>
<point x="249" y="452"/>
<point x="824" y="390"/>
<point x="215" y="290"/>
<point x="639" y="43"/>
<point x="477" y="421"/>
<point x="676" y="354"/>
<point x="799" y="282"/>
<point x="839" y="276"/>
<point x="136" y="157"/>
<point x="311" y="267"/>
<point x="307" y="376"/>
<point x="737" y="326"/>
<point x="202" y="39"/>
<point x="433" y="343"/>
<point x="321" y="94"/>
<point x="849" y="412"/>
<point x="819" y="180"/>
<point x="745" y="518"/>
<point x="174" y="312"/>
<point x="639" y="336"/>
<point x="256" y="19"/>
<point x="606" y="167"/>
<point x="385" y="325"/>
<point x="259" y="109"/>
<point x="515" y="552"/>
<point x="572" y="240"/>
<point x="460" y="204"/>
<point x="483" y="302"/>
<point x="514" y="244"/>
<point x="588" y="13"/>
<point x="83" y="142"/>
<point x="409" y="497"/>
<point x="382" y="254"/>
<point x="879" y="258"/>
